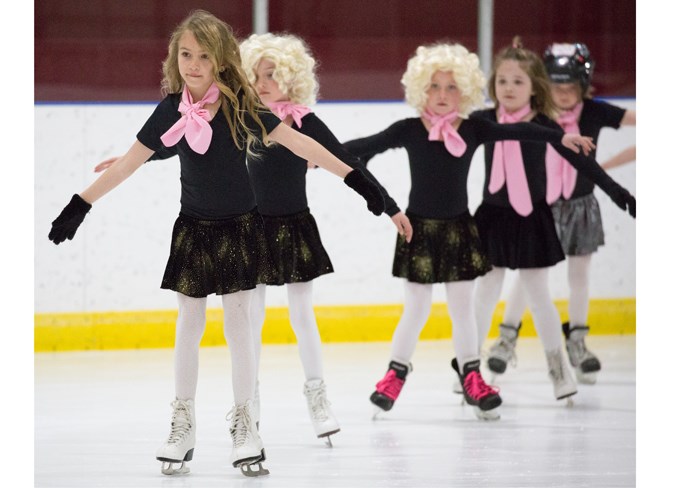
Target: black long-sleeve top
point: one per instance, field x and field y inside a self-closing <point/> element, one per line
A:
<point x="439" y="179"/>
<point x="278" y="176"/>
<point x="533" y="155"/>
<point x="595" y="115"/>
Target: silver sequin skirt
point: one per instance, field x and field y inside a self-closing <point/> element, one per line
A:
<point x="579" y="225"/>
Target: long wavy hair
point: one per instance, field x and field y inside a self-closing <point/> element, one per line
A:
<point x="532" y="64"/>
<point x="238" y="97"/>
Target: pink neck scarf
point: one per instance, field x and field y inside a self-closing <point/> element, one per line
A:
<point x="285" y="109"/>
<point x="442" y="129"/>
<point x="507" y="167"/>
<point x="194" y="121"/>
<point x="561" y="175"/>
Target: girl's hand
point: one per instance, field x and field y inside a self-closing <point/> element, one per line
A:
<point x="576" y="142"/>
<point x="105" y="164"/>
<point x="403" y="225"/>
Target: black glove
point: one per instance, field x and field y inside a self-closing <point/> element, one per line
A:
<point x="357" y="180"/>
<point x="69" y="220"/>
<point x="624" y="200"/>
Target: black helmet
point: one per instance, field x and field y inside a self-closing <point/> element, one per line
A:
<point x="569" y="63"/>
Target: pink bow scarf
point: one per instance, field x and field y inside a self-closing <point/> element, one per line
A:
<point x="507" y="167"/>
<point x="561" y="175"/>
<point x="285" y="109"/>
<point x="194" y="121"/>
<point x="442" y="129"/>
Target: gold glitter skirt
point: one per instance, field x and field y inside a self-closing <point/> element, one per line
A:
<point x="217" y="256"/>
<point x="295" y="248"/>
<point x="440" y="251"/>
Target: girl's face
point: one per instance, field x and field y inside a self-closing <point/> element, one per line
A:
<point x="266" y="87"/>
<point x="513" y="86"/>
<point x="195" y="67"/>
<point x="444" y="96"/>
<point x="566" y="95"/>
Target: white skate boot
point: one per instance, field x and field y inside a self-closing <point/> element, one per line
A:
<point x="247" y="445"/>
<point x="585" y="364"/>
<point x="319" y="408"/>
<point x="181" y="442"/>
<point x="502" y="351"/>
<point x="563" y="384"/>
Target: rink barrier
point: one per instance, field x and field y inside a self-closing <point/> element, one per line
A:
<point x="360" y="323"/>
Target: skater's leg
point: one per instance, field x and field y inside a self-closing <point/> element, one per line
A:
<point x="515" y="305"/>
<point x="547" y="322"/>
<point x="487" y="293"/>
<point x="180" y="444"/>
<point x="304" y="323"/>
<point x="258" y="316"/>
<point x="579" y="288"/>
<point x="460" y="306"/>
<point x="417" y="303"/>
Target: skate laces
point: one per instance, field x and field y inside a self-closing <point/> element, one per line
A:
<point x="181" y="424"/>
<point x="390" y="385"/>
<point x="476" y="387"/>
<point x="240" y="423"/>
<point x="319" y="405"/>
<point x="556" y="366"/>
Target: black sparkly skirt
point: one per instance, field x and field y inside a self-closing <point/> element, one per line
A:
<point x="440" y="251"/>
<point x="295" y="247"/>
<point x="217" y="256"/>
<point x="579" y="225"/>
<point x="517" y="242"/>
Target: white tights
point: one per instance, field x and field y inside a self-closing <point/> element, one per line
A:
<point x="417" y="304"/>
<point x="537" y="296"/>
<point x="303" y="322"/>
<point x="578" y="274"/>
<point x="190" y="327"/>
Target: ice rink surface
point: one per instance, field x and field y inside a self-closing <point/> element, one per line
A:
<point x="100" y="416"/>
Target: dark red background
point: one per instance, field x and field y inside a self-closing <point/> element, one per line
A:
<point x="107" y="50"/>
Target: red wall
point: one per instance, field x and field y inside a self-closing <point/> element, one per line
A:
<point x="111" y="50"/>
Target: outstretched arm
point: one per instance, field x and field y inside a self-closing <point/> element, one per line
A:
<point x="627" y="155"/>
<point x="70" y="218"/>
<point x="630" y="118"/>
<point x="311" y="150"/>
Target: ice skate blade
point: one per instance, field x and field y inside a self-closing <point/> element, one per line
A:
<point x="327" y="437"/>
<point x="169" y="470"/>
<point x="246" y="469"/>
<point x="487" y="415"/>
<point x="377" y="413"/>
<point x="586" y="378"/>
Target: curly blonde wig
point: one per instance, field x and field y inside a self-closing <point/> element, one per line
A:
<point x="454" y="58"/>
<point x="217" y="39"/>
<point x="294" y="64"/>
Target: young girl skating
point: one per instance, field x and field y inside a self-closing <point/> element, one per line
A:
<point x="575" y="208"/>
<point x="282" y="70"/>
<point x="211" y="118"/>
<point x="514" y="219"/>
<point x="443" y="83"/>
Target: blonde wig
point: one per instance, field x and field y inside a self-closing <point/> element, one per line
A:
<point x="216" y="38"/>
<point x="532" y="65"/>
<point x="294" y="64"/>
<point x="454" y="58"/>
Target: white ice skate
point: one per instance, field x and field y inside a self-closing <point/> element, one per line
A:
<point x="248" y="448"/>
<point x="502" y="352"/>
<point x="181" y="442"/>
<point x="319" y="408"/>
<point x="586" y="365"/>
<point x="563" y="384"/>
